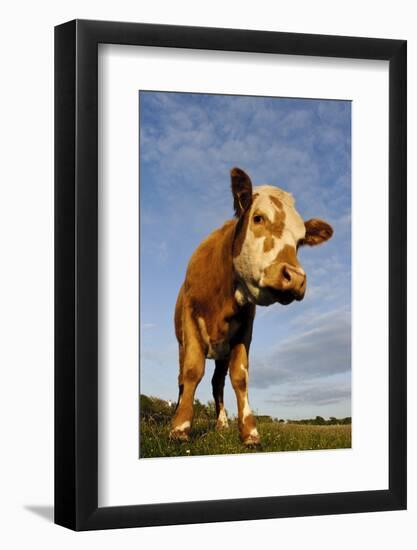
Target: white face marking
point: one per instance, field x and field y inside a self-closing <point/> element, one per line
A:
<point x="253" y="260"/>
<point x="254" y="432"/>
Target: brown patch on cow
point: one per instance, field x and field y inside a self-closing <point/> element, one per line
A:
<point x="267" y="228"/>
<point x="287" y="255"/>
<point x="271" y="229"/>
<point x="268" y="244"/>
<point x="276" y="201"/>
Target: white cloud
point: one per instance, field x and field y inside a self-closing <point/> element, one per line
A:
<point x="317" y="395"/>
<point x="323" y="348"/>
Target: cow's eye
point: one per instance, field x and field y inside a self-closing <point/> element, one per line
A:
<point x="258" y="219"/>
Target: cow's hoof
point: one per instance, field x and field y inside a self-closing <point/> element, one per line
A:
<point x="178" y="435"/>
<point x="222" y="422"/>
<point x="252" y="440"/>
<point x="222" y="425"/>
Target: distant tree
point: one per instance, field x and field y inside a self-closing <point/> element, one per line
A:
<point x="146" y="406"/>
<point x="155" y="408"/>
<point x="204" y="411"/>
<point x="211" y="409"/>
<point x="199" y="408"/>
<point x="320" y="421"/>
<point x="263" y="418"/>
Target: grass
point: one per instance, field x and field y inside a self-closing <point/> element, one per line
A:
<point x="204" y="440"/>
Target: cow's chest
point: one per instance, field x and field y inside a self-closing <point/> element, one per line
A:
<point x="217" y="337"/>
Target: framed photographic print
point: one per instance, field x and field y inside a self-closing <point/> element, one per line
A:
<point x="230" y="252"/>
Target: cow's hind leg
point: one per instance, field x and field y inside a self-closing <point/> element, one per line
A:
<point x="191" y="372"/>
<point x="180" y="376"/>
<point x="217" y="383"/>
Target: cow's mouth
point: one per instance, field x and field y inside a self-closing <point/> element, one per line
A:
<point x="284" y="297"/>
<point x="268" y="295"/>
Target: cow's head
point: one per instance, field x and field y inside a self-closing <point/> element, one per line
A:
<point x="268" y="234"/>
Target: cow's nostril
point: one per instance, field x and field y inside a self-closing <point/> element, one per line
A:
<point x="286" y="274"/>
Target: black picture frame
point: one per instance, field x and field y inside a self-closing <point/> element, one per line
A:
<point x="76" y="273"/>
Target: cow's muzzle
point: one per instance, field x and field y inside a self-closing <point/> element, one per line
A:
<point x="289" y="283"/>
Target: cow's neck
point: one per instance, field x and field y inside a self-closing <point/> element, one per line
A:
<point x="218" y="296"/>
<point x="241" y="292"/>
<point x="227" y="276"/>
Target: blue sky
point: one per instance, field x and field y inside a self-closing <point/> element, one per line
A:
<point x="300" y="357"/>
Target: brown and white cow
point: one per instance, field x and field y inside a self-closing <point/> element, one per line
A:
<point x="251" y="260"/>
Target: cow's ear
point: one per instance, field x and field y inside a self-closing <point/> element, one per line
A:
<point x="242" y="190"/>
<point x="317" y="232"/>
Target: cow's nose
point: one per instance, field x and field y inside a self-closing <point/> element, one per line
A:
<point x="292" y="278"/>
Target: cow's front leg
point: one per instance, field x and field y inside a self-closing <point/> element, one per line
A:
<point x="217" y="382"/>
<point x="238" y="367"/>
<point x="191" y="372"/>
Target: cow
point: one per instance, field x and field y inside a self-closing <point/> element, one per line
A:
<point x="249" y="261"/>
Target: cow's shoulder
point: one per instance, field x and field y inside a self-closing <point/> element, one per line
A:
<point x="210" y="269"/>
<point x="213" y="248"/>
